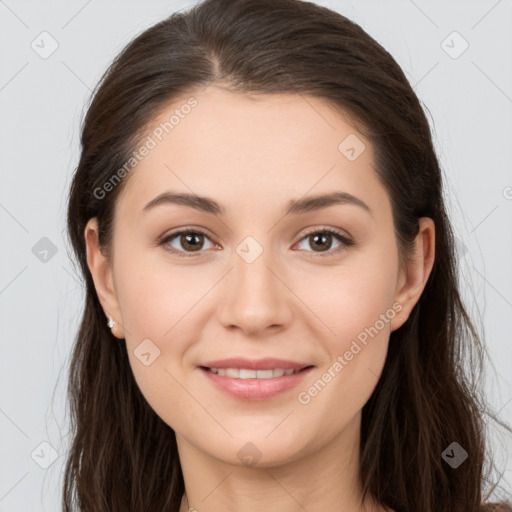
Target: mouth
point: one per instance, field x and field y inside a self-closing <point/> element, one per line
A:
<point x="248" y="373"/>
<point x="255" y="380"/>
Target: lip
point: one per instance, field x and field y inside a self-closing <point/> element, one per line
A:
<point x="255" y="389"/>
<point x="267" y="363"/>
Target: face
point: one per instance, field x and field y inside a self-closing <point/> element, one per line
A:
<point x="265" y="272"/>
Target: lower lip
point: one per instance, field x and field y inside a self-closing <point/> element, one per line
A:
<point x="256" y="389"/>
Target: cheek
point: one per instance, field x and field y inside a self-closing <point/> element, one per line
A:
<point x="157" y="298"/>
<point x="351" y="297"/>
<point x="356" y="304"/>
<point x="360" y="306"/>
<point x="160" y="303"/>
<point x="157" y="306"/>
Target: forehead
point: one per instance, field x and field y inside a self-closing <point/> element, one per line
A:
<point x="231" y="145"/>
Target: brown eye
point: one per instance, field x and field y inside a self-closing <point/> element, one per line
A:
<point x="321" y="241"/>
<point x="190" y="240"/>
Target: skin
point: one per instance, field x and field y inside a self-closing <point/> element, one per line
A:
<point x="253" y="154"/>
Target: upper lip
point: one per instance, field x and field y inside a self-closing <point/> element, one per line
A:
<point x="268" y="363"/>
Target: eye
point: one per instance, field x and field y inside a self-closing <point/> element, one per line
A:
<point x="322" y="239"/>
<point x="191" y="240"/>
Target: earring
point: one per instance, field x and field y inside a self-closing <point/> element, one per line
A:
<point x="118" y="331"/>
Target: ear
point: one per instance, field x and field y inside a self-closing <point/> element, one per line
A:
<point x="102" y="276"/>
<point x="412" y="280"/>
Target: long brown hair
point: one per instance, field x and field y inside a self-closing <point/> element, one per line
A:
<point x="123" y="457"/>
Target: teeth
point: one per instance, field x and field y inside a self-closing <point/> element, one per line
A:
<point x="244" y="373"/>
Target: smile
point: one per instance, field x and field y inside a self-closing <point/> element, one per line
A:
<point x="254" y="385"/>
<point x="246" y="373"/>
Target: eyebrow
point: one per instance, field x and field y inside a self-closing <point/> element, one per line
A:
<point x="295" y="206"/>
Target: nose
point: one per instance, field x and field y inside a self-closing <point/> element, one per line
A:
<point x="256" y="298"/>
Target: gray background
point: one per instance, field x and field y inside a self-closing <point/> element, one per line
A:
<point x="469" y="97"/>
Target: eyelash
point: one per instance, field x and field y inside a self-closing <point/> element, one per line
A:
<point x="338" y="235"/>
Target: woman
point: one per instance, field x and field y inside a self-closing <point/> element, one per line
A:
<point x="272" y="316"/>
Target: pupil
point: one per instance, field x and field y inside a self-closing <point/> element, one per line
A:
<point x="322" y="236"/>
<point x="191" y="236"/>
